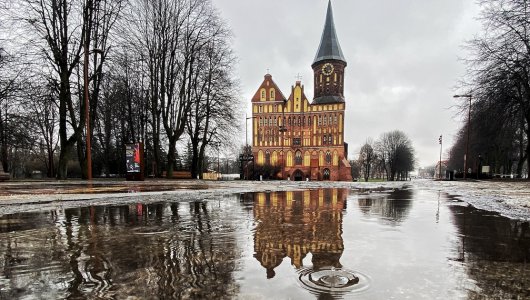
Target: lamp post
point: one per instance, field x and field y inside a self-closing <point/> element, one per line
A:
<point x="218" y="145"/>
<point x="87" y="108"/>
<point x="468" y="122"/>
<point x="87" y="111"/>
<point x="246" y="141"/>
<point x="440" y="174"/>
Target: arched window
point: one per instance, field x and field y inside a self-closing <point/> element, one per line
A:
<point x="330" y="120"/>
<point x="274" y="158"/>
<point x="298" y="158"/>
<point x="324" y="139"/>
<point x="289" y="121"/>
<point x="319" y="120"/>
<point x="267" y="157"/>
<point x="270" y="121"/>
<point x="330" y="139"/>
<point x="263" y="95"/>
<point x="325" y="120"/>
<point x="299" y="121"/>
<point x="260" y="157"/>
<point x="272" y="94"/>
<point x="335" y="158"/>
<point x="328" y="157"/>
<point x="307" y="159"/>
<point x="275" y="121"/>
<point x="289" y="158"/>
<point x="326" y="174"/>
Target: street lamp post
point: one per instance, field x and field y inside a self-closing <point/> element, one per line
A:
<point x="246" y="155"/>
<point x="440" y="170"/>
<point x="87" y="115"/>
<point x="87" y="109"/>
<point x="468" y="122"/>
<point x="218" y="145"/>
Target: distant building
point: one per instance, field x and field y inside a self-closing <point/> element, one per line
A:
<point x="305" y="140"/>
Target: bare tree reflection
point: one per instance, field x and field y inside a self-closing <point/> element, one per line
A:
<point x="150" y="251"/>
<point x="391" y="206"/>
<point x="497" y="252"/>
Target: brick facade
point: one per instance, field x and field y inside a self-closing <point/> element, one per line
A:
<point x="305" y="140"/>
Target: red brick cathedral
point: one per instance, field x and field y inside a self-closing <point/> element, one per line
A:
<point x="305" y="139"/>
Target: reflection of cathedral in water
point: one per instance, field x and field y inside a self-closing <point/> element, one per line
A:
<point x="293" y="224"/>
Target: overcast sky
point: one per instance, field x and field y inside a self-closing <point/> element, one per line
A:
<point x="403" y="60"/>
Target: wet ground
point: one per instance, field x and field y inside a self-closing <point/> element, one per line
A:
<point x="320" y="243"/>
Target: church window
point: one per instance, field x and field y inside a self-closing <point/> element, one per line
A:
<point x="262" y="95"/>
<point x="298" y="158"/>
<point x="326" y="174"/>
<point x="324" y="139"/>
<point x="325" y="120"/>
<point x="270" y="121"/>
<point x="335" y="119"/>
<point x="275" y="121"/>
<point x="330" y="139"/>
<point x="330" y="120"/>
<point x="297" y="141"/>
<point x="272" y="94"/>
<point x="319" y="120"/>
<point x="328" y="157"/>
<point x="267" y="157"/>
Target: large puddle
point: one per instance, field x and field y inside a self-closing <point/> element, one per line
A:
<point x="316" y="244"/>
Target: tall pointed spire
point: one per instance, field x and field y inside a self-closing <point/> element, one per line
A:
<point x="329" y="44"/>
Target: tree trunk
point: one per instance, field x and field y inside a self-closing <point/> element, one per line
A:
<point x="171" y="158"/>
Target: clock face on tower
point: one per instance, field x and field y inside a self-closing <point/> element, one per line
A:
<point x="327" y="69"/>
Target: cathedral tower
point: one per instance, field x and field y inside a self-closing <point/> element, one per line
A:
<point x="328" y="66"/>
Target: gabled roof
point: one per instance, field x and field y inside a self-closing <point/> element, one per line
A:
<point x="303" y="96"/>
<point x="267" y="84"/>
<point x="329" y="44"/>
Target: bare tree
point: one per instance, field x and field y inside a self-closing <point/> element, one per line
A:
<point x="367" y="158"/>
<point x="499" y="75"/>
<point x="214" y="108"/>
<point x="395" y="150"/>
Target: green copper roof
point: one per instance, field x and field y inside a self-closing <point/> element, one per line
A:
<point x="329" y="44"/>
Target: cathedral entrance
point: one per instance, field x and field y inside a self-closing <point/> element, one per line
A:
<point x="298" y="175"/>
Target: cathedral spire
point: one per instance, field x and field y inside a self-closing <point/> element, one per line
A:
<point x="329" y="44"/>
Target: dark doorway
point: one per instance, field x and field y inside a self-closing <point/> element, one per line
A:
<point x="298" y="175"/>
